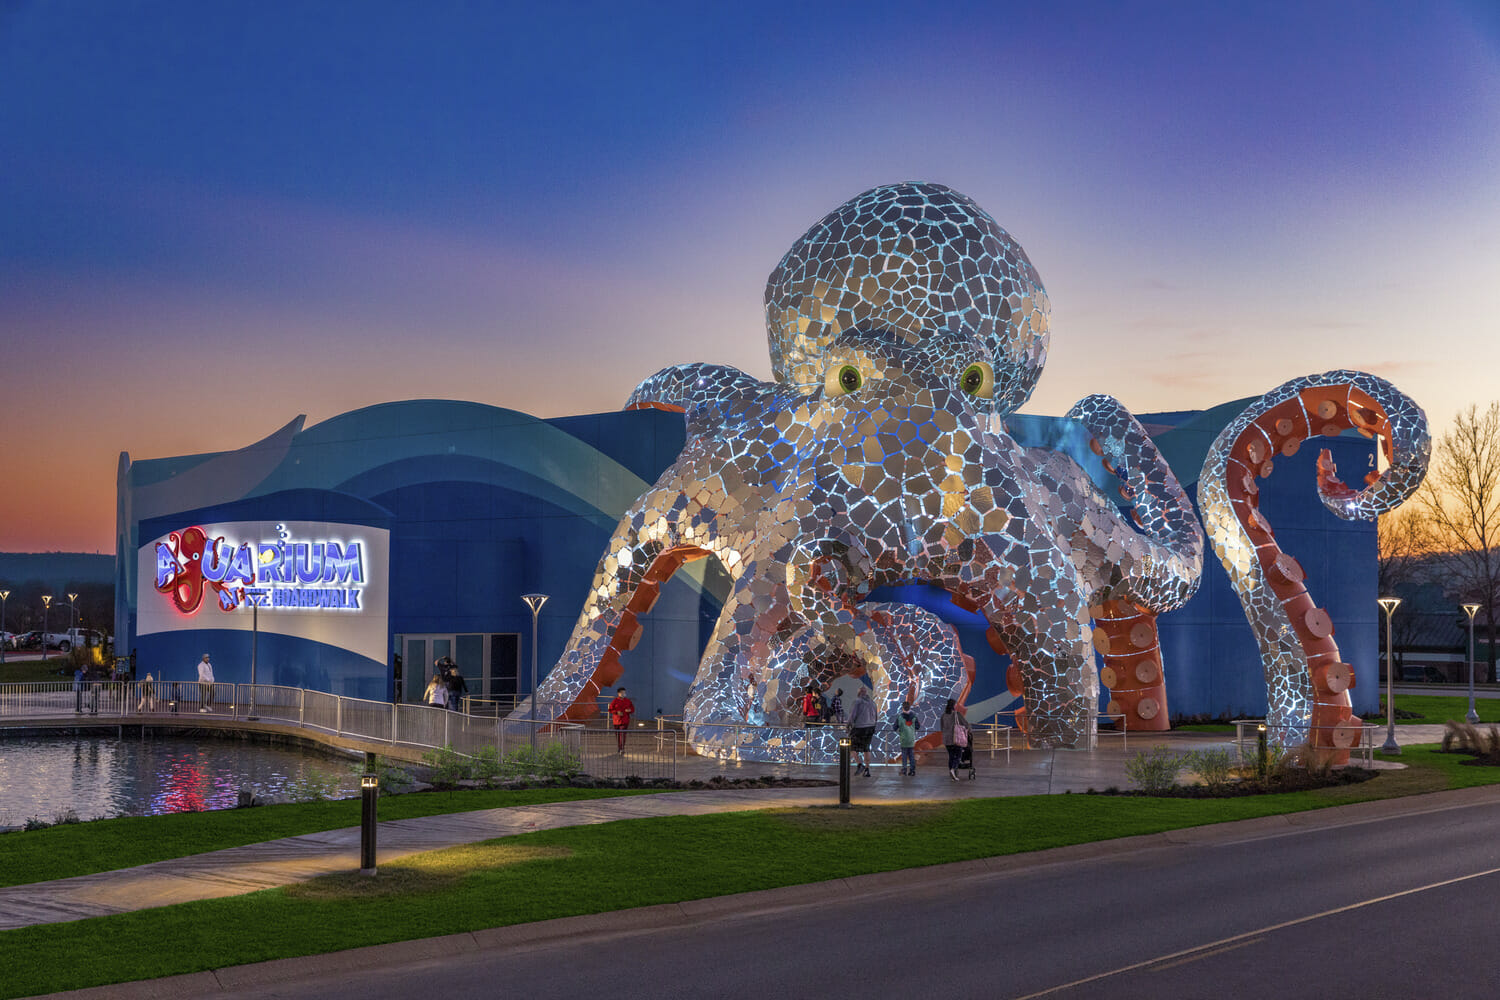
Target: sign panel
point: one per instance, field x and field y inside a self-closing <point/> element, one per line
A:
<point x="316" y="580"/>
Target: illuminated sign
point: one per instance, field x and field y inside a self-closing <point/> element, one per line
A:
<point x="324" y="574"/>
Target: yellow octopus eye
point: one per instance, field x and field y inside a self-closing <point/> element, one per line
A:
<point x="978" y="380"/>
<point x="843" y="380"/>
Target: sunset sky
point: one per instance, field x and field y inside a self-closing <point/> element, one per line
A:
<point x="214" y="217"/>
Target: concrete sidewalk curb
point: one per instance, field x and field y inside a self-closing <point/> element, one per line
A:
<point x="690" y="912"/>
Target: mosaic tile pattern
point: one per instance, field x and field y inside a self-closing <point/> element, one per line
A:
<point x="903" y="327"/>
<point x="1306" y="683"/>
<point x="909" y="258"/>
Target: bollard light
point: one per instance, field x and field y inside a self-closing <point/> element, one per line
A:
<point x="844" y="744"/>
<point x="369" y="787"/>
<point x="1263" y="753"/>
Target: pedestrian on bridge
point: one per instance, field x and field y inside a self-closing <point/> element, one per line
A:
<point x="205" y="684"/>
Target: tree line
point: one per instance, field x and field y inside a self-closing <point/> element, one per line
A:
<point x="1449" y="532"/>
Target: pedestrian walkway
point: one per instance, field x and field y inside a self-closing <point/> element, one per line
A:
<point x="239" y="870"/>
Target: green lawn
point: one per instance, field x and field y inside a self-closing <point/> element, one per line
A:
<point x="109" y="844"/>
<point x="30" y="671"/>
<point x="1437" y="709"/>
<point x="629" y="863"/>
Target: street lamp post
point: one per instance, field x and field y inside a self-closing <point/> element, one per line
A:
<point x="256" y="597"/>
<point x="46" y="613"/>
<point x="1471" y="610"/>
<point x="73" y="611"/>
<point x="4" y="596"/>
<point x="1391" y="746"/>
<point x="534" y="602"/>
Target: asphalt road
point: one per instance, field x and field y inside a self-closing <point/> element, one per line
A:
<point x="1398" y="907"/>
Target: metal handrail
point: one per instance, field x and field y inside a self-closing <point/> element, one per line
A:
<point x="1247" y="738"/>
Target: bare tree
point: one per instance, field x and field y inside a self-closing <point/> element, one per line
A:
<point x="1461" y="502"/>
<point x="1405" y="548"/>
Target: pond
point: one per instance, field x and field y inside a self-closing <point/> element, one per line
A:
<point x="96" y="777"/>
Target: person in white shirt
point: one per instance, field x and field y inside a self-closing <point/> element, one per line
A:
<point x="205" y="684"/>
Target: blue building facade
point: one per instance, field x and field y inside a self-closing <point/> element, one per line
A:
<point x="384" y="538"/>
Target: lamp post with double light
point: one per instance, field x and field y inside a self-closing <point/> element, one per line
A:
<point x="534" y="602"/>
<point x="73" y="611"/>
<point x="1389" y="604"/>
<point x="1471" y="610"/>
<point x="4" y="596"/>
<point x="46" y="615"/>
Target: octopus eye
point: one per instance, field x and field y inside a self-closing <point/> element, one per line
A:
<point x="843" y="380"/>
<point x="978" y="380"/>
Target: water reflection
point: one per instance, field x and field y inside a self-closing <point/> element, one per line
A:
<point x="97" y="776"/>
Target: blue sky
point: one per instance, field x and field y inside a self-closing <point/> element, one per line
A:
<point x="218" y="216"/>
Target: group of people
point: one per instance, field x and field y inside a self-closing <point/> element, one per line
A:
<point x="819" y="708"/>
<point x="954" y="726"/>
<point x="447" y="687"/>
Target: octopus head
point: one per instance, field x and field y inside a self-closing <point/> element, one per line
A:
<point x="916" y="259"/>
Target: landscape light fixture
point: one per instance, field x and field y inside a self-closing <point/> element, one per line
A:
<point x="369" y="792"/>
<point x="844" y="744"/>
<point x="534" y="602"/>
<point x="1391" y="746"/>
<point x="1471" y="610"/>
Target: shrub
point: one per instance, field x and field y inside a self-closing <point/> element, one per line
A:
<point x="1216" y="767"/>
<point x="448" y="765"/>
<point x="1155" y="770"/>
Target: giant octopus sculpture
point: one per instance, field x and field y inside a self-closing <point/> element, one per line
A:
<point x="903" y="328"/>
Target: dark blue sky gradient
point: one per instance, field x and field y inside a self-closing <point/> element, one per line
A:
<point x="455" y="199"/>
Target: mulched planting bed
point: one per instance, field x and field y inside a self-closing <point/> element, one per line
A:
<point x="1291" y="781"/>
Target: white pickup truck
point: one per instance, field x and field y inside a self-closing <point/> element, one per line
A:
<point x="74" y="638"/>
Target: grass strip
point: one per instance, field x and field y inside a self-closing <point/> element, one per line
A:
<point x="109" y="844"/>
<point x="593" y="869"/>
<point x="1436" y="709"/>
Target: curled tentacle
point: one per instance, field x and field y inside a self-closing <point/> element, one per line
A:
<point x="705" y="393"/>
<point x="1306" y="683"/>
<point x="1167" y="574"/>
<point x="925" y="665"/>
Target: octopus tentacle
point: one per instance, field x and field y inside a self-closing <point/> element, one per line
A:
<point x="1306" y="682"/>
<point x="1168" y="574"/>
<point x="703" y="392"/>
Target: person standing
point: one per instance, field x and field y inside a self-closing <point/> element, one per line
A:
<point x="955" y="729"/>
<point x="78" y="690"/>
<point x="620" y="709"/>
<point x="436" y="694"/>
<point x="906" y="731"/>
<point x="810" y="708"/>
<point x="862" y="728"/>
<point x="205" y="684"/>
<point x="457" y="687"/>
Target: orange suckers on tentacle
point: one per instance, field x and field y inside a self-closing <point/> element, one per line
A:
<point x="1125" y="636"/>
<point x="628" y="632"/>
<point x="1327" y="410"/>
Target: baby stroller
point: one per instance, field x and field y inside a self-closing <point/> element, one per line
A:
<point x="966" y="759"/>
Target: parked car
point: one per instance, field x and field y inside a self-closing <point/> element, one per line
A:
<point x="75" y="638"/>
<point x="29" y="640"/>
<point x="1423" y="673"/>
<point x="7" y="640"/>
